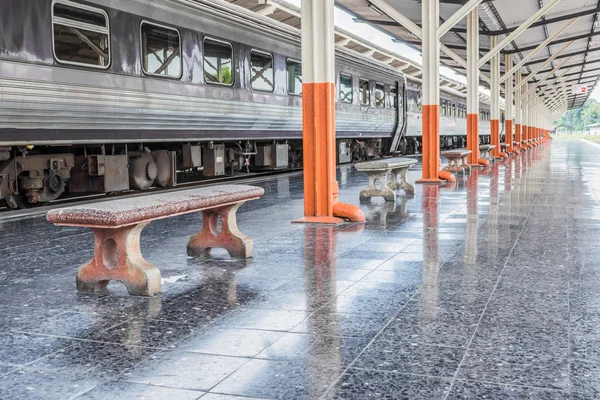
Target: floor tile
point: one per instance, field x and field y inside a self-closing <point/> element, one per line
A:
<point x="412" y="358"/>
<point x="462" y="389"/>
<point x="368" y="384"/>
<point x="230" y="342"/>
<point x="516" y="367"/>
<point x="136" y="391"/>
<point x="182" y="370"/>
<point x="306" y="379"/>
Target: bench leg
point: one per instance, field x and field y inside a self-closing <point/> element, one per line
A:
<point x="385" y="191"/>
<point x="454" y="166"/>
<point x="230" y="238"/>
<point x="404" y="185"/>
<point x="117" y="257"/>
<point x="465" y="165"/>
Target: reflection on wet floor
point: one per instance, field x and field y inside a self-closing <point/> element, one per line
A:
<point x="486" y="288"/>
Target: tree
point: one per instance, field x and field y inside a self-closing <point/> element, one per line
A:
<point x="579" y="118"/>
<point x="591" y="113"/>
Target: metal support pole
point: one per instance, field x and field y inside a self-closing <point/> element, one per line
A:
<point x="430" y="10"/>
<point x="495" y="101"/>
<point x="318" y="117"/>
<point x="508" y="106"/>
<point x="473" y="90"/>
<point x="518" y="113"/>
<point x="525" y="105"/>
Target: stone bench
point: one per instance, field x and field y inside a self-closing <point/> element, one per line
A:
<point x="485" y="150"/>
<point x="117" y="225"/>
<point x="377" y="170"/>
<point x="457" y="161"/>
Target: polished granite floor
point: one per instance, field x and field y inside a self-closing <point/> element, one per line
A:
<point x="488" y="289"/>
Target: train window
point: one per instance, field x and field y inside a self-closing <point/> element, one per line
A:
<point x="454" y="109"/>
<point x="345" y="88"/>
<point x="294" y="77"/>
<point x="394" y="98"/>
<point x="161" y="54"/>
<point x="218" y="63"/>
<point x="80" y="34"/>
<point x="365" y="94"/>
<point x="443" y="108"/>
<point x="379" y="96"/>
<point x="261" y="71"/>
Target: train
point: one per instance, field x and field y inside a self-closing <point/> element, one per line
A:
<point x="105" y="96"/>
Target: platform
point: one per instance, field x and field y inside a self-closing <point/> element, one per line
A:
<point x="488" y="288"/>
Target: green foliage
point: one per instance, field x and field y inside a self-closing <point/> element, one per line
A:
<point x="227" y="77"/>
<point x="578" y="119"/>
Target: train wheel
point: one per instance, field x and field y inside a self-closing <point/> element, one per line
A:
<point x="164" y="176"/>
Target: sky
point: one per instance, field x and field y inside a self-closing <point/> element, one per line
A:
<point x="346" y="21"/>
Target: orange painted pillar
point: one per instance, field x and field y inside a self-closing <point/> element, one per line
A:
<point x="495" y="137"/>
<point x="531" y="129"/>
<point x="495" y="100"/>
<point x="430" y="11"/>
<point x="473" y="90"/>
<point x="473" y="141"/>
<point x="318" y="118"/>
<point x="518" y="112"/>
<point x="508" y="96"/>
<point x="508" y="135"/>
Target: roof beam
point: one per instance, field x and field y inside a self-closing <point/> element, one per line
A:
<point x="513" y="35"/>
<point x="548" y="61"/>
<point x="537" y="50"/>
<point x="559" y="41"/>
<point x="496" y="32"/>
<point x="457" y="16"/>
<point x="394" y="14"/>
<point x="549" y="21"/>
<point x="575" y="53"/>
<point x="575" y="65"/>
<point x="548" y="76"/>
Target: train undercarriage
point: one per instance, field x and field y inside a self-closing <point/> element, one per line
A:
<point x="34" y="175"/>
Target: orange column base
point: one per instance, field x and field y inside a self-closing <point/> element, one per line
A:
<point x="502" y="155"/>
<point x="473" y="141"/>
<point x="495" y="138"/>
<point x="482" y="162"/>
<point x="447" y="176"/>
<point x="321" y="190"/>
<point x="431" y="145"/>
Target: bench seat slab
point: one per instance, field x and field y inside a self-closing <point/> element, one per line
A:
<point x="229" y="238"/>
<point x="117" y="256"/>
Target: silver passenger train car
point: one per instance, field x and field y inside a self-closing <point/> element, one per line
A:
<point x="102" y="96"/>
<point x="110" y="95"/>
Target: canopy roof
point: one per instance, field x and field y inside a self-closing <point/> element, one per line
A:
<point x="501" y="17"/>
<point x="286" y="13"/>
